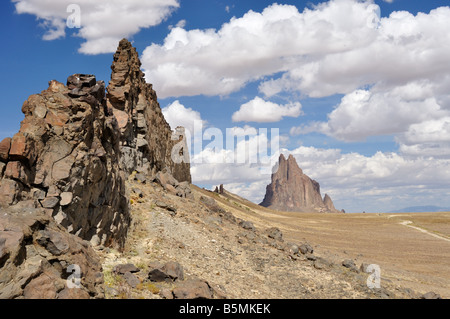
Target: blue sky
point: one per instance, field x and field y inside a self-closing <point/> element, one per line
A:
<point x="359" y="90"/>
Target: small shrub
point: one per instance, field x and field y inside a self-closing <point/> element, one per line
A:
<point x="148" y="286"/>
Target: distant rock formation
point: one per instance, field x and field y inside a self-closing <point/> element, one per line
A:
<point x="329" y="203"/>
<point x="219" y="189"/>
<point x="77" y="146"/>
<point x="291" y="190"/>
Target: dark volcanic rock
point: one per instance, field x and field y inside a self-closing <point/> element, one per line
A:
<point x="131" y="279"/>
<point x="193" y="289"/>
<point x="147" y="141"/>
<point x="77" y="145"/>
<point x="291" y="190"/>
<point x="170" y="271"/>
<point x="67" y="150"/>
<point x="70" y="159"/>
<point x="124" y="268"/>
<point x="247" y="225"/>
<point x="306" y="249"/>
<point x="431" y="295"/>
<point x="37" y="257"/>
<point x="275" y="233"/>
<point x="350" y="264"/>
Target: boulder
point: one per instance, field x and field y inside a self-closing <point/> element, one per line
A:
<point x="275" y="233"/>
<point x="39" y="257"/>
<point x="350" y="264"/>
<point x="50" y="202"/>
<point x="247" y="225"/>
<point x="131" y="279"/>
<point x="211" y="204"/>
<point x="17" y="171"/>
<point x="322" y="263"/>
<point x="431" y="295"/>
<point x="193" y="289"/>
<point x="163" y="205"/>
<point x="170" y="271"/>
<point x="10" y="192"/>
<point x="293" y="248"/>
<point x="124" y="268"/>
<point x="66" y="198"/>
<point x="166" y="293"/>
<point x="306" y="249"/>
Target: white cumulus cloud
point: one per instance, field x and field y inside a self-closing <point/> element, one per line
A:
<point x="377" y="183"/>
<point x="259" y="110"/>
<point x="429" y="138"/>
<point x="176" y="114"/>
<point x="393" y="71"/>
<point x="279" y="39"/>
<point x="365" y="113"/>
<point x="103" y="22"/>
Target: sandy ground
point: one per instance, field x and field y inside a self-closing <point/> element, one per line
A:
<point x="413" y="250"/>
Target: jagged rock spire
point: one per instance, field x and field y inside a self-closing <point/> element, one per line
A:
<point x="291" y="190"/>
<point x="147" y="140"/>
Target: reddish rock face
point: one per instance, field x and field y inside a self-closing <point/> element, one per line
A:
<point x="17" y="171"/>
<point x="19" y="146"/>
<point x="291" y="190"/>
<point x="5" y="146"/>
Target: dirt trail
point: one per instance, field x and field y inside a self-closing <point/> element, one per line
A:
<point x="408" y="224"/>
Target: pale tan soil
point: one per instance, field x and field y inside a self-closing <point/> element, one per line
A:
<point x="412" y="258"/>
<point x="243" y="264"/>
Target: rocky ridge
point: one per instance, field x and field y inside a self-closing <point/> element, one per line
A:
<point x="67" y="167"/>
<point x="291" y="190"/>
<point x="197" y="248"/>
<point x="65" y="158"/>
<point x="146" y="139"/>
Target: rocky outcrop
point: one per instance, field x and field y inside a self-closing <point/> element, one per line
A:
<point x="291" y="190"/>
<point x="39" y="259"/>
<point x="62" y="177"/>
<point x="219" y="190"/>
<point x="147" y="142"/>
<point x="329" y="203"/>
<point x="65" y="159"/>
<point x="78" y="144"/>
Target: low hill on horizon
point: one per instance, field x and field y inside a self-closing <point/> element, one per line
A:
<point x="422" y="209"/>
